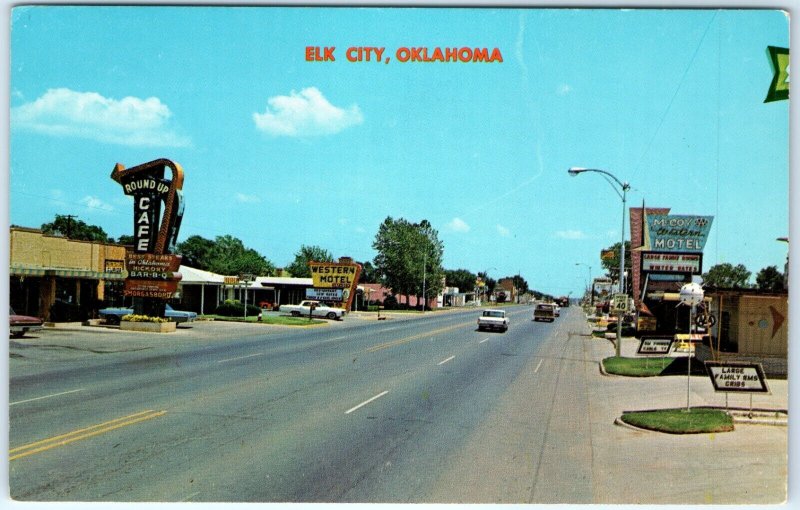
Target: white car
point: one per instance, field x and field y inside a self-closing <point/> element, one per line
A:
<point x="493" y="319"/>
<point x="315" y="308"/>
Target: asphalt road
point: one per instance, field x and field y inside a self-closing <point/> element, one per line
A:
<point x="391" y="411"/>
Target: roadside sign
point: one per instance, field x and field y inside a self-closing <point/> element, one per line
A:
<point x="325" y="294"/>
<point x="732" y="376"/>
<point x="620" y="302"/>
<point x="654" y="345"/>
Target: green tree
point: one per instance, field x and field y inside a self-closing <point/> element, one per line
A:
<point x="299" y="268"/>
<point x="230" y="256"/>
<point x="369" y="273"/>
<point x="409" y="253"/>
<point x="770" y="279"/>
<point x="461" y="278"/>
<point x="126" y="239"/>
<point x="611" y="263"/>
<point x="520" y="284"/>
<point x="72" y="228"/>
<point x="196" y="252"/>
<point x="727" y="276"/>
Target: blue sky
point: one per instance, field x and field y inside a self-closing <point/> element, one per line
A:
<point x="280" y="152"/>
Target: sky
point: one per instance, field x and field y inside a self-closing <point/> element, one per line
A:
<point x="281" y="151"/>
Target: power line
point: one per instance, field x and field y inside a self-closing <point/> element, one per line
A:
<point x="674" y="95"/>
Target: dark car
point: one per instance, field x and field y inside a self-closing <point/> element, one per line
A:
<point x="114" y="315"/>
<point x="21" y="324"/>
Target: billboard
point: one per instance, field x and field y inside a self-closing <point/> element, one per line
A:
<point x="336" y="275"/>
<point x="678" y="263"/>
<point x="676" y="233"/>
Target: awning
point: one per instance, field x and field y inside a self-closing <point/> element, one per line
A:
<point x="84" y="273"/>
<point x="27" y="271"/>
<point x="64" y="273"/>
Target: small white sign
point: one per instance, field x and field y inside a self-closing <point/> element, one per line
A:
<point x="732" y="376"/>
<point x="651" y="345"/>
<point x="620" y="302"/>
<point x="324" y="294"/>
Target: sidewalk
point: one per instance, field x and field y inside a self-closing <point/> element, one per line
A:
<point x="748" y="465"/>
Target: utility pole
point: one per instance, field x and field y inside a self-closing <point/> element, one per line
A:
<point x="424" y="273"/>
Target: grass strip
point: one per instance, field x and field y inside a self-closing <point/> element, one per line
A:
<point x="681" y="421"/>
<point x="637" y="367"/>
<point x="274" y="320"/>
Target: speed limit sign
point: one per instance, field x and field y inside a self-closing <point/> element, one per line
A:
<point x="620" y="302"/>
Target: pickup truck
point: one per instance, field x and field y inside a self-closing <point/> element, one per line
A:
<point x="316" y="309"/>
<point x="114" y="315"/>
<point x="493" y="319"/>
<point x="544" y="312"/>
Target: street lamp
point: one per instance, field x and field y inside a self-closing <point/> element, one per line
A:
<point x="591" y="288"/>
<point x="624" y="186"/>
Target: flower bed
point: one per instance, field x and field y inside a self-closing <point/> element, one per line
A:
<point x="146" y="324"/>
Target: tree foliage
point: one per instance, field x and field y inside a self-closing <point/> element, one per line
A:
<point x="299" y="267"/>
<point x="225" y="255"/>
<point x="369" y="273"/>
<point x="73" y="228"/>
<point x="727" y="276"/>
<point x="230" y="256"/>
<point x="196" y="252"/>
<point x="770" y="279"/>
<point x="409" y="257"/>
<point x="611" y="264"/>
<point x="461" y="278"/>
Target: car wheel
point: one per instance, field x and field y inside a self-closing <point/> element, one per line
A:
<point x="18" y="334"/>
<point x="295" y="313"/>
<point x="331" y="315"/>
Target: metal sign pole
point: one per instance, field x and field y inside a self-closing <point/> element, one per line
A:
<point x="689" y="371"/>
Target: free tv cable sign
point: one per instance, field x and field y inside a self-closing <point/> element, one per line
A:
<point x="733" y="377"/>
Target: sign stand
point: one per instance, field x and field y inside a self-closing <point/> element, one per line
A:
<point x="691" y="348"/>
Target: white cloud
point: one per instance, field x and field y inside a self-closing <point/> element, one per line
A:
<point x="503" y="231"/>
<point x="306" y="113"/>
<point x="247" y="199"/>
<point x="458" y="225"/>
<point x="96" y="203"/>
<point x="570" y="234"/>
<point x="129" y="121"/>
<point x="563" y="90"/>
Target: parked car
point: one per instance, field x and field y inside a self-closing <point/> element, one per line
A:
<point x="493" y="319"/>
<point x="544" y="312"/>
<point x="21" y="324"/>
<point x="114" y="315"/>
<point x="315" y="308"/>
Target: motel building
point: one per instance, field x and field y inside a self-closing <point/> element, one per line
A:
<point x="750" y="325"/>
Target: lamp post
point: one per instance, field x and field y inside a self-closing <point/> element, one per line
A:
<point x="590" y="287"/>
<point x="624" y="187"/>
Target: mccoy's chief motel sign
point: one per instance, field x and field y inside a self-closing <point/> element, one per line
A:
<point x="152" y="270"/>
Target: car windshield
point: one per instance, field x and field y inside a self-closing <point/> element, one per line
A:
<point x="544" y="307"/>
<point x="490" y="313"/>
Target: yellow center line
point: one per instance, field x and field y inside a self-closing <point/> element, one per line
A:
<point x="76" y="435"/>
<point x="406" y="340"/>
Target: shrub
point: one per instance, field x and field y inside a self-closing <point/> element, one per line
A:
<point x="232" y="308"/>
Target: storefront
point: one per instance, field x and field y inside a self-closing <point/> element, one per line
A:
<point x="62" y="279"/>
